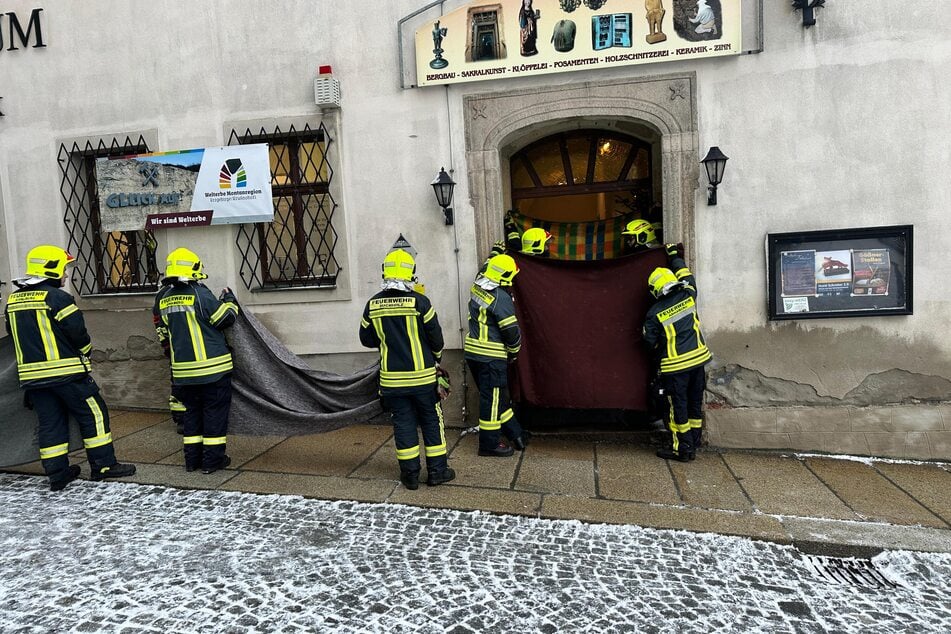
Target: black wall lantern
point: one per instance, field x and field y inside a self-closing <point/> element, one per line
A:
<point x="443" y="186"/>
<point x="808" y="10"/>
<point x="714" y="162"/>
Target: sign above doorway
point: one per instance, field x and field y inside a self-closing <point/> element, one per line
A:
<point x="514" y="38"/>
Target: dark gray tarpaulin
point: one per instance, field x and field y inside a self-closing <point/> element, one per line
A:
<point x="276" y="392"/>
<point x="18" y="442"/>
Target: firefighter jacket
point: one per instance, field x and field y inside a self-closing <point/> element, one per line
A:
<point x="404" y="326"/>
<point x="49" y="335"/>
<point x="493" y="327"/>
<point x="673" y="325"/>
<point x="189" y="319"/>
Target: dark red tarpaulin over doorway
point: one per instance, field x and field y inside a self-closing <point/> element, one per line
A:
<point x="581" y="332"/>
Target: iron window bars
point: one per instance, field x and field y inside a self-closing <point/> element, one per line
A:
<point x="113" y="262"/>
<point x="297" y="248"/>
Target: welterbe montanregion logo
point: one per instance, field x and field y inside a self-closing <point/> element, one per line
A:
<point x="232" y="175"/>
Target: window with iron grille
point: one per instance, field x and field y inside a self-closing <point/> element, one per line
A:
<point x="297" y="248"/>
<point x="111" y="262"/>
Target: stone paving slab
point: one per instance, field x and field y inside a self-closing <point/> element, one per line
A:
<point x="869" y="494"/>
<point x="781" y="485"/>
<point x="174" y="476"/>
<point x="929" y="484"/>
<point x="241" y="449"/>
<point x="557" y="466"/>
<point x="323" y="487"/>
<point x="707" y="483"/>
<point x="691" y="519"/>
<point x="150" y="444"/>
<point x="124" y="422"/>
<point x="634" y="473"/>
<point x="470" y="499"/>
<point x="482" y="471"/>
<point x="335" y="453"/>
<point x="867" y="534"/>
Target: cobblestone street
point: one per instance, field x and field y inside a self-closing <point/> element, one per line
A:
<point x="114" y="557"/>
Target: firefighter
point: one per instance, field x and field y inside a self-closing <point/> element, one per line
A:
<point x="189" y="321"/>
<point x="52" y="345"/>
<point x="672" y="330"/>
<point x="640" y="235"/>
<point x="535" y="242"/>
<point x="493" y="340"/>
<point x="403" y="325"/>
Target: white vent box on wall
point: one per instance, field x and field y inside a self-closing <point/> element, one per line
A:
<point x="326" y="89"/>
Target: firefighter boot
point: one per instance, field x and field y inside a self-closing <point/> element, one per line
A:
<point x="667" y="454"/>
<point x="118" y="470"/>
<point x="501" y="450"/>
<point x="71" y="474"/>
<point x="225" y="461"/>
<point x="441" y="477"/>
<point x="410" y="479"/>
<point x="522" y="441"/>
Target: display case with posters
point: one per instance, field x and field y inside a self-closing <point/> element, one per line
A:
<point x="840" y="273"/>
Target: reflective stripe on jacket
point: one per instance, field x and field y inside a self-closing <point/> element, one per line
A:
<point x="49" y="335"/>
<point x="673" y="325"/>
<point x="493" y="327"/>
<point x="404" y="326"/>
<point x="190" y="319"/>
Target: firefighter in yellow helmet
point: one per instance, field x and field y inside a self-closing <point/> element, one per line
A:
<point x="52" y="348"/>
<point x="640" y="235"/>
<point x="403" y="324"/>
<point x="493" y="341"/>
<point x="535" y="242"/>
<point x="189" y="321"/>
<point x="672" y="331"/>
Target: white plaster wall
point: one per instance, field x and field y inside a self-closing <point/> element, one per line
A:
<point x="844" y="124"/>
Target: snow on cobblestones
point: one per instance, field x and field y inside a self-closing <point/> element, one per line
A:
<point x="114" y="557"/>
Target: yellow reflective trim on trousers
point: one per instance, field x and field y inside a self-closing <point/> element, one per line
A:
<point x="54" y="451"/>
<point x="416" y="348"/>
<point x="16" y="340"/>
<point x="407" y="454"/>
<point x="489" y="425"/>
<point x="680" y="429"/>
<point x="198" y="341"/>
<point x="192" y="440"/>
<point x="494" y="411"/>
<point x="695" y="423"/>
<point x="384" y="349"/>
<point x="46" y="334"/>
<point x="97" y="415"/>
<point x="214" y="440"/>
<point x="97" y="441"/>
<point x="506" y="415"/>
<point x="442" y="427"/>
<point x="66" y="312"/>
<point x="435" y="450"/>
<point x="675" y="440"/>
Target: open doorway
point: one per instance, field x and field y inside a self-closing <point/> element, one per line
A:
<point x="583" y="186"/>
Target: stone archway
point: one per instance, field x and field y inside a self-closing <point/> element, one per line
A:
<point x="662" y="106"/>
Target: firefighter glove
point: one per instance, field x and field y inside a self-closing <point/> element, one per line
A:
<point x="673" y="251"/>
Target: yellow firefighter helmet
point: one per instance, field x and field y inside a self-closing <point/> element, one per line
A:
<point x="642" y="231"/>
<point x="399" y="265"/>
<point x="660" y="281"/>
<point x="501" y="269"/>
<point x="185" y="264"/>
<point x="47" y="261"/>
<point x="535" y="241"/>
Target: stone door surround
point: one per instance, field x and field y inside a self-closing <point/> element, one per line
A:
<point x="660" y="108"/>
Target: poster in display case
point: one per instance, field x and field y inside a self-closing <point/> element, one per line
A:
<point x="840" y="273"/>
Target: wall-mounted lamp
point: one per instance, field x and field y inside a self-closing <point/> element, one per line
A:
<point x="714" y="162"/>
<point x="807" y="7"/>
<point x="443" y="186"/>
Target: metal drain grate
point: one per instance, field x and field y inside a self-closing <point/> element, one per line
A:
<point x="854" y="572"/>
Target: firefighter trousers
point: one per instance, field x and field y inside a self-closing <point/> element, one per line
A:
<point x="206" y="422"/>
<point x="53" y="405"/>
<point x="685" y="418"/>
<point x="420" y="408"/>
<point x="496" y="417"/>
